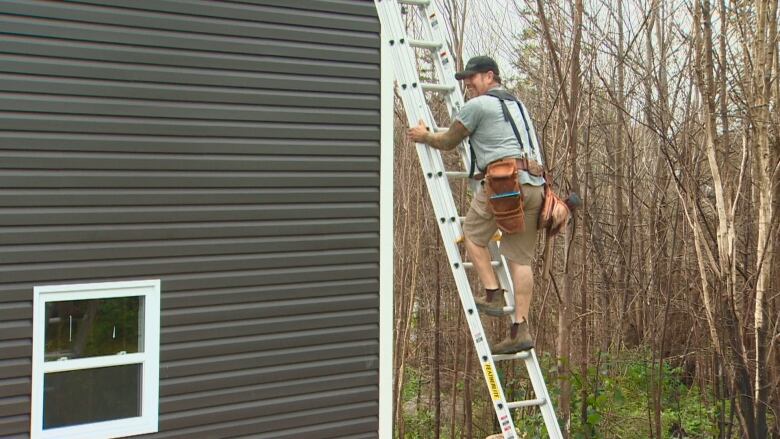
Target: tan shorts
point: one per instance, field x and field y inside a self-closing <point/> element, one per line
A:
<point x="480" y="225"/>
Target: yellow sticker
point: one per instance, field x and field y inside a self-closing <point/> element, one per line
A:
<point x="492" y="383"/>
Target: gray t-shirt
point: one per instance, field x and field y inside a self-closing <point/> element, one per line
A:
<point x="492" y="136"/>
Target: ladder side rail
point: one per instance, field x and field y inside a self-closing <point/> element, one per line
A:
<point x="540" y="390"/>
<point x="405" y="70"/>
<point x="442" y="59"/>
<point x="433" y="169"/>
<point x="504" y="277"/>
<point x="392" y="14"/>
<point x="414" y="102"/>
<point x="436" y="31"/>
<point x="446" y="70"/>
<point x="430" y="158"/>
<point x="502" y="270"/>
<point x="450" y="230"/>
<point x="439" y="189"/>
<point x="444" y="64"/>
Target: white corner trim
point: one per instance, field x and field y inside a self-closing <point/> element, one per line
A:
<point x="149" y="359"/>
<point x="386" y="249"/>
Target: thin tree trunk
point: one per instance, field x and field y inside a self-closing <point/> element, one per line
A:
<point x="618" y="183"/>
<point x="436" y="354"/>
<point x="454" y="388"/>
<point x="403" y="337"/>
<point x="725" y="279"/>
<point x="466" y="431"/>
<point x="565" y="315"/>
<point x="765" y="50"/>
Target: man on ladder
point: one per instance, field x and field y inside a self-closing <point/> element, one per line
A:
<point x="499" y="150"/>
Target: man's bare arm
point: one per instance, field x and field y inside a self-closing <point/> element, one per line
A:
<point x="445" y="140"/>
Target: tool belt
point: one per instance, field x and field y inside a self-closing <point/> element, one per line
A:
<point x="530" y="166"/>
<point x="505" y="196"/>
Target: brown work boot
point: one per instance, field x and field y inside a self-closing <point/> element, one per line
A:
<point x="492" y="306"/>
<point x="519" y="339"/>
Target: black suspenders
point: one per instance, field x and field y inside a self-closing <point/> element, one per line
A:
<point x="503" y="96"/>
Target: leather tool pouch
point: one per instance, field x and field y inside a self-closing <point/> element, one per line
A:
<point x="554" y="214"/>
<point x="505" y="195"/>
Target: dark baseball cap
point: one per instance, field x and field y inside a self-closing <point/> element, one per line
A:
<point x="478" y="64"/>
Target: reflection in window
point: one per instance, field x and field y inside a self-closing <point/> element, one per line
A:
<point x="91" y="395"/>
<point x="89" y="328"/>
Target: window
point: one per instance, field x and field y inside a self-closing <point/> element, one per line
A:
<point x="95" y="360"/>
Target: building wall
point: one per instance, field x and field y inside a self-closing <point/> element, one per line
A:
<point x="230" y="149"/>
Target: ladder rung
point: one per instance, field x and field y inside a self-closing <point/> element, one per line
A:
<point x="522" y="355"/>
<point x="437" y="87"/>
<point x="471" y="264"/>
<point x="415" y="2"/>
<point x="457" y="174"/>
<point x="423" y="44"/>
<point x="529" y="403"/>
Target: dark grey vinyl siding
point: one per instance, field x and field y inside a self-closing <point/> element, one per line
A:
<point x="228" y="148"/>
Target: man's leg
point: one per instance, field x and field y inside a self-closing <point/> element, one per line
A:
<point x="480" y="256"/>
<point x="519" y="252"/>
<point x="522" y="278"/>
<point x="523" y="283"/>
<point x="478" y="228"/>
<point x="519" y="338"/>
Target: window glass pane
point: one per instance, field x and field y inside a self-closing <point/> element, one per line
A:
<point x="94" y="327"/>
<point x="91" y="395"/>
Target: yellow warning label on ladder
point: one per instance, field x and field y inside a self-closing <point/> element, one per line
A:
<point x="492" y="383"/>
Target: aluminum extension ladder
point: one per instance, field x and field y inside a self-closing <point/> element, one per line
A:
<point x="396" y="40"/>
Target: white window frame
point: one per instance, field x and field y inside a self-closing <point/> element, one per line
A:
<point x="149" y="359"/>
